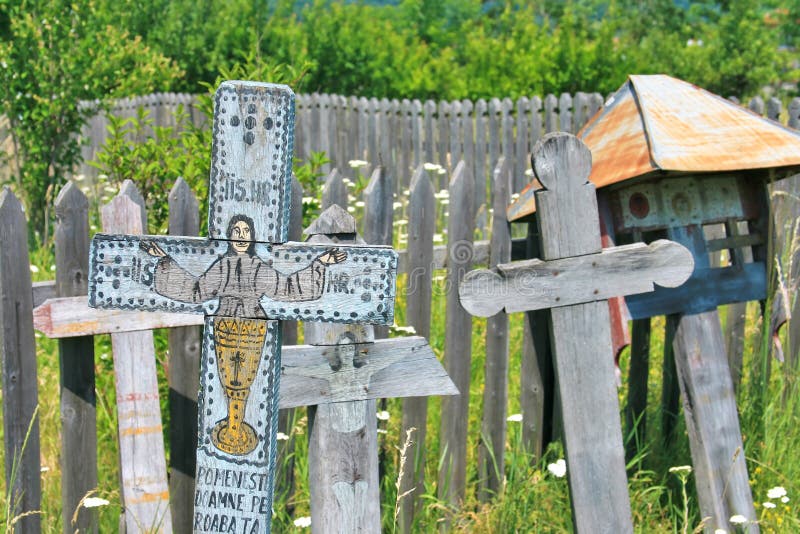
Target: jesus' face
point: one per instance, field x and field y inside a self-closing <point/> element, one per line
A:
<point x="241" y="236"/>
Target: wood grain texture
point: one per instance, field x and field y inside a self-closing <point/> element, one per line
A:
<point x="343" y="436"/>
<point x="387" y="368"/>
<point x="581" y="342"/>
<point x="536" y="284"/>
<point x="636" y="408"/>
<point x="20" y="386"/>
<point x="334" y="191"/>
<point x="421" y="226"/>
<point x="70" y="317"/>
<point x="76" y="357"/>
<point x="709" y="405"/>
<point x="491" y="452"/>
<point x="251" y="158"/>
<point x="143" y="467"/>
<point x="183" y="376"/>
<point x="291" y="278"/>
<point x="458" y="342"/>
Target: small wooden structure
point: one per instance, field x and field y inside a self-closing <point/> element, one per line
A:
<point x="670" y="159"/>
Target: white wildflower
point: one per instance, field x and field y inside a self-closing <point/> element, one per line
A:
<point x="282" y="437"/>
<point x="680" y="468"/>
<point x="397" y="205"/>
<point x="406" y="192"/>
<point x="515" y="196"/>
<point x="784" y="500"/>
<point x="382" y="431"/>
<point x="529" y="172"/>
<point x="776" y="493"/>
<point x="720" y="531"/>
<point x="441" y="171"/>
<point x="34" y="269"/>
<point x="444" y="201"/>
<point x="52" y="267"/>
<point x="400" y="222"/>
<point x="558" y="469"/>
<point x="769" y="504"/>
<point x="360" y="204"/>
<point x="738" y="519"/>
<point x="383" y="415"/>
<point x="308" y="200"/>
<point x="302" y="522"/>
<point x="514" y="418"/>
<point x="431" y="166"/>
<point x="44" y="469"/>
<point x="356" y="164"/>
<point x="351" y="209"/>
<point x="94" y="502"/>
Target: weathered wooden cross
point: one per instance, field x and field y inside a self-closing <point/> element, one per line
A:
<point x="244" y="279"/>
<point x="574" y="278"/>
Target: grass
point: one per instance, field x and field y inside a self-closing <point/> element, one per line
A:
<point x="533" y="499"/>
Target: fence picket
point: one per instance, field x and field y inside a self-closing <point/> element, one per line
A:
<point x="20" y="386"/>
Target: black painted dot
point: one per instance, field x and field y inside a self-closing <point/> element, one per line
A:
<point x="268" y="123"/>
<point x="336" y="314"/>
<point x="101" y="255"/>
<point x="118" y="259"/>
<point x="115" y="283"/>
<point x="100" y="294"/>
<point x="251" y="108"/>
<point x="353" y="315"/>
<point x="210" y="376"/>
<point x="250" y="122"/>
<point x="235" y="120"/>
<point x="211" y="401"/>
<point x="208" y="412"/>
<point x="249" y="138"/>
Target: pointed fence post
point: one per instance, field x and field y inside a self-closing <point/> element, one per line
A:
<point x="143" y="467"/>
<point x="76" y="357"/>
<point x="184" y="377"/>
<point x="334" y="191"/>
<point x="458" y="341"/>
<point x="491" y="453"/>
<point x="20" y="387"/>
<point x="421" y="226"/>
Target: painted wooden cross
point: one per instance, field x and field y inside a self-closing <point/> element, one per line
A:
<point x="244" y="279"/>
<point x="574" y="279"/>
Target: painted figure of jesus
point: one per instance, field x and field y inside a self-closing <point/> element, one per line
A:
<point x="239" y="279"/>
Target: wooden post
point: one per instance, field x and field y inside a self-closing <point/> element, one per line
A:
<point x="76" y="357"/>
<point x="592" y="439"/>
<point x="20" y="387"/>
<point x="458" y="341"/>
<point x="670" y="390"/>
<point x="143" y="468"/>
<point x="183" y="376"/>
<point x="709" y="407"/>
<point x="491" y="452"/>
<point x="343" y="448"/>
<point x="421" y="226"/>
<point x="575" y="278"/>
<point x="334" y="191"/>
<point x="636" y="409"/>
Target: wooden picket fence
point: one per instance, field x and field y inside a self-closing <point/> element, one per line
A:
<point x="396" y="139"/>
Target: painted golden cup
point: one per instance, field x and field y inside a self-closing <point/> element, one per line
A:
<point x="238" y="344"/>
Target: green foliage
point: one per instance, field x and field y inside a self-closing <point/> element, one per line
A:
<point x="54" y="54"/>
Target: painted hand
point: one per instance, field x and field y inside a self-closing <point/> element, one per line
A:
<point x="152" y="248"/>
<point x="332" y="256"/>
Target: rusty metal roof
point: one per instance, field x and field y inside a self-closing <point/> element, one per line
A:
<point x="659" y="123"/>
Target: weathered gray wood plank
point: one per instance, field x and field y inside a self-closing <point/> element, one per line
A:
<point x="712" y="421"/>
<point x="20" y="386"/>
<point x="421" y="226"/>
<point x="143" y="467"/>
<point x="581" y="341"/>
<point x="334" y="191"/>
<point x="522" y="159"/>
<point x="536" y="284"/>
<point x="76" y="357"/>
<point x="458" y="342"/>
<point x="491" y="452"/>
<point x="183" y="376"/>
<point x="636" y="409"/>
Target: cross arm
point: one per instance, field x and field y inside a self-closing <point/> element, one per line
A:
<point x="290" y="281"/>
<point x="537" y="284"/>
<point x="397" y="367"/>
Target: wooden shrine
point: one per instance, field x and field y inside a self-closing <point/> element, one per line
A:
<point x="669" y="160"/>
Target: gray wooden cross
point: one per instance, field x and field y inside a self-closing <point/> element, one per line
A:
<point x="244" y="279"/>
<point x="574" y="279"/>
